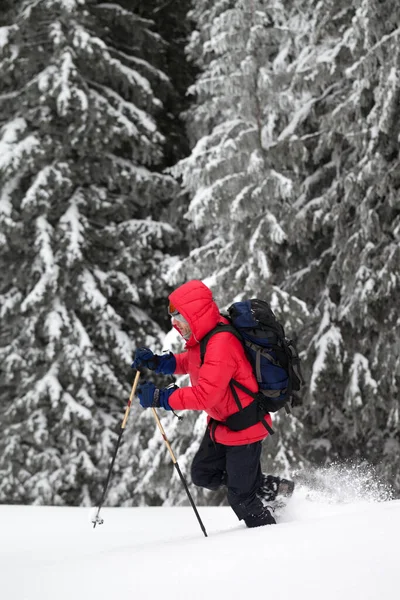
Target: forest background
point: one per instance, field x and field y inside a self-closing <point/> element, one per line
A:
<point x="251" y="144"/>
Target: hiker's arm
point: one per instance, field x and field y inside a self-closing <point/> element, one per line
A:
<point x="181" y="363"/>
<point x="214" y="376"/>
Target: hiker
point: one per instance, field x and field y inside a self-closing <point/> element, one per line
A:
<point x="225" y="457"/>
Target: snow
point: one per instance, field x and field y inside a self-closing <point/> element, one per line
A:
<point x="53" y="326"/>
<point x="13" y="156"/>
<point x="351" y="71"/>
<point x="72" y="223"/>
<point x="69" y="5"/>
<point x="38" y="188"/>
<point x="136" y="114"/>
<point x="360" y="373"/>
<point x="44" y="262"/>
<point x="75" y="408"/>
<point x="66" y="72"/>
<point x="329" y="341"/>
<point x="5" y="196"/>
<point x="319" y="550"/>
<point x="4" y="33"/>
<point x="9" y="136"/>
<point x="297" y="119"/>
<point x="91" y="291"/>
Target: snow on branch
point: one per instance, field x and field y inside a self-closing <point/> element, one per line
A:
<point x="53" y="325"/>
<point x="14" y="156"/>
<point x="239" y="204"/>
<point x="74" y="408"/>
<point x="120" y="280"/>
<point x="94" y="48"/>
<point x="44" y="263"/>
<point x="388" y="112"/>
<point x="15" y="153"/>
<point x="72" y="224"/>
<point x="351" y="71"/>
<point x="49" y="180"/>
<point x="329" y="344"/>
<point x="301" y="115"/>
<point x="282" y="186"/>
<point x="360" y="379"/>
<point x="126" y="15"/>
<point x="125" y="126"/>
<point x="123" y="345"/>
<point x="267" y="232"/>
<point x="5" y="33"/>
<point x="9" y="301"/>
<point x="93" y="298"/>
<point x="289" y="307"/>
<point x="5" y="196"/>
<point x="48" y="386"/>
<point x="144" y="229"/>
<point x="67" y="71"/>
<point x="67" y="5"/>
<point x="128" y="110"/>
<point x="145" y="66"/>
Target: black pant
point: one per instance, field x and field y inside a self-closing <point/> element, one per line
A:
<point x="237" y="467"/>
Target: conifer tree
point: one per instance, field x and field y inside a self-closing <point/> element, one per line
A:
<point x="347" y="226"/>
<point x="82" y="246"/>
<point x="294" y="198"/>
<point x="241" y="189"/>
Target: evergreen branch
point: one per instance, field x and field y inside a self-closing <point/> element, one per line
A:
<point x="349" y="71"/>
<point x="122" y="12"/>
<point x="143" y="63"/>
<point x="10" y="95"/>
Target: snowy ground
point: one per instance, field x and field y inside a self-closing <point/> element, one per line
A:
<point x="319" y="551"/>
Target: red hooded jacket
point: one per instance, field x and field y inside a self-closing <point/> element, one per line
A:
<point x="224" y="360"/>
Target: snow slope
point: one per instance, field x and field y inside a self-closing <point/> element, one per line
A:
<point x="319" y="551"/>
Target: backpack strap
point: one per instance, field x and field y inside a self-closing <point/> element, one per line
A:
<point x="252" y="414"/>
<point x="220" y="328"/>
<point x="246" y="417"/>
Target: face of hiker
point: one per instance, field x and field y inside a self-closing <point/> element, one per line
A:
<point x="179" y="322"/>
<point x="182" y="327"/>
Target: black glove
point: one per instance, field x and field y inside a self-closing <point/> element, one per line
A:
<point x="165" y="364"/>
<point x="152" y="397"/>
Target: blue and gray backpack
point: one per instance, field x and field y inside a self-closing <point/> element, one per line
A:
<point x="274" y="358"/>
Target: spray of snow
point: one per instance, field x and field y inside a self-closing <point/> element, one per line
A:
<point x="343" y="483"/>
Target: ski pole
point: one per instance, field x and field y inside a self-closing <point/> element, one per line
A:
<point x="175" y="462"/>
<point x="97" y="519"/>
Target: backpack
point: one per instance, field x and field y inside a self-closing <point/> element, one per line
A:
<point x="274" y="358"/>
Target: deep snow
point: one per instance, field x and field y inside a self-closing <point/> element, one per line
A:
<point x="319" y="551"/>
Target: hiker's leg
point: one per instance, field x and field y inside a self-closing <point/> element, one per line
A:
<point x="208" y="466"/>
<point x="244" y="478"/>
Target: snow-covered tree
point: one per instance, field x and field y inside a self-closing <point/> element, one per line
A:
<point x="241" y="186"/>
<point x="347" y="227"/>
<point x="82" y="243"/>
<point x="294" y="130"/>
<point x="234" y="184"/>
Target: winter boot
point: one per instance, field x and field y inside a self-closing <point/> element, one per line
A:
<point x="265" y="517"/>
<point x="272" y="488"/>
<point x="285" y="488"/>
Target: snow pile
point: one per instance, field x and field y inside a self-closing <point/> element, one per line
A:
<point x="319" y="549"/>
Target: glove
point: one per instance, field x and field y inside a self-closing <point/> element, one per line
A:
<point x="152" y="397"/>
<point x="165" y="364"/>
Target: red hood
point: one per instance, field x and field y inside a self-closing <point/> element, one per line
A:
<point x="195" y="302"/>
